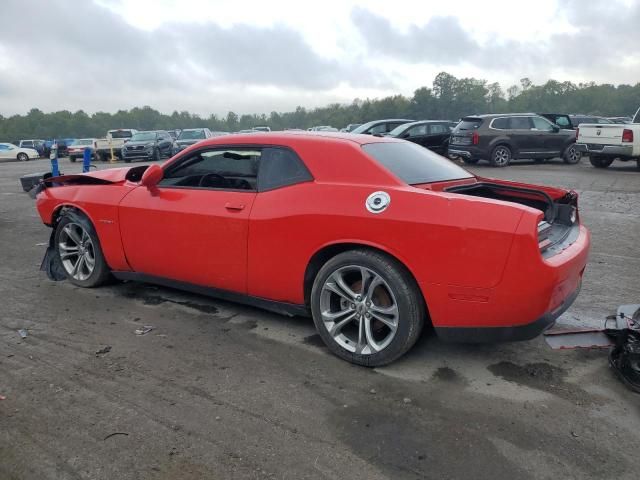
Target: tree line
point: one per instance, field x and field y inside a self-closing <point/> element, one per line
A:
<point x="449" y="98"/>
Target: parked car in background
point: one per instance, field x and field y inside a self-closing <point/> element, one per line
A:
<point x="561" y="119"/>
<point x="380" y="127"/>
<point x="606" y="143"/>
<point x="9" y="151"/>
<point x="113" y="142"/>
<point x="322" y="128"/>
<point x="350" y="128"/>
<point x="577" y="120"/>
<point x="373" y="241"/>
<point x="262" y="128"/>
<point x="148" y="145"/>
<point x="190" y="136"/>
<point x="37" y="145"/>
<point x="77" y="148"/>
<point x="620" y="120"/>
<point x="431" y="134"/>
<point x="174" y="133"/>
<point x="500" y="138"/>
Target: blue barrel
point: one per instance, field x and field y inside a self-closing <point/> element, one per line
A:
<point x="86" y="160"/>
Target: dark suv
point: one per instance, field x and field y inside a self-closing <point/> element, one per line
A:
<point x="432" y="134"/>
<point x="499" y="138"/>
<point x="380" y="127"/>
<point x="151" y="145"/>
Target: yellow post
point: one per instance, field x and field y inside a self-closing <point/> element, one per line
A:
<point x="113" y="159"/>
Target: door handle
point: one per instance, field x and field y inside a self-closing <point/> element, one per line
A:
<point x="234" y="206"/>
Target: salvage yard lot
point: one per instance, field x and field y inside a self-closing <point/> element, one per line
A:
<point x="218" y="390"/>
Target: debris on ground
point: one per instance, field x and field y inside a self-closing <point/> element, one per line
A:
<point x="114" y="434"/>
<point x="143" y="330"/>
<point x="2" y="397"/>
<point x="406" y="400"/>
<point x="23" y="333"/>
<point x="104" y="350"/>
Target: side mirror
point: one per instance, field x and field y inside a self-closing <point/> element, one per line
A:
<point x="152" y="176"/>
<point x="556" y="129"/>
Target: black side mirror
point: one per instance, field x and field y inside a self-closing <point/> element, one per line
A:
<point x="555" y="128"/>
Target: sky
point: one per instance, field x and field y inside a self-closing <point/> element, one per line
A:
<point x="214" y="56"/>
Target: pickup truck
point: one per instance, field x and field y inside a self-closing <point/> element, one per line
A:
<point x="604" y="143"/>
<point x="113" y="142"/>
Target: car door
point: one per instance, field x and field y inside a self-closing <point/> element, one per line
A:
<point x="524" y="140"/>
<point x="417" y="134"/>
<point x="193" y="226"/>
<point x="165" y="142"/>
<point x="437" y="138"/>
<point x="550" y="140"/>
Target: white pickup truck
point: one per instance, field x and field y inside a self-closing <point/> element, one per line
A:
<point x="113" y="142"/>
<point x="608" y="142"/>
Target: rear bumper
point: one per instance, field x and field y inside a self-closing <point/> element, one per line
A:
<point x="507" y="334"/>
<point x="605" y="150"/>
<point x="464" y="151"/>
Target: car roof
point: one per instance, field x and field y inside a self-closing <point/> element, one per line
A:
<point x="495" y="115"/>
<point x="283" y="138"/>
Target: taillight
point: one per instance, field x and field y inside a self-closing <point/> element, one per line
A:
<point x="577" y="133"/>
<point x="627" y="135"/>
<point x="544" y="229"/>
<point x="475" y="138"/>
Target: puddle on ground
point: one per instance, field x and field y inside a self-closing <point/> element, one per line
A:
<point x="315" y="340"/>
<point x="150" y="299"/>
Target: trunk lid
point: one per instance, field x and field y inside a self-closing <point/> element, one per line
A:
<point x="600" y="134"/>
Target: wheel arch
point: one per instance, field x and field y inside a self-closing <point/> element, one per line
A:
<point x="325" y="253"/>
<point x="60" y="209"/>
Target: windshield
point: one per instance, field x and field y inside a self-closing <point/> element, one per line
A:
<point x="144" y="137"/>
<point x="191" y="135"/>
<point x="399" y="130"/>
<point x="413" y="163"/>
<point x="84" y="141"/>
<point x="120" y="133"/>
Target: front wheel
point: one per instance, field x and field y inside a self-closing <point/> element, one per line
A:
<point x="72" y="159"/>
<point x="571" y="155"/>
<point x="600" y="162"/>
<point x="501" y="156"/>
<point x="23" y="157"/>
<point x="79" y="251"/>
<point x="367" y="307"/>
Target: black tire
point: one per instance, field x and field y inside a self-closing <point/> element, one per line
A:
<point x="156" y="155"/>
<point x="101" y="273"/>
<point x="410" y="305"/>
<point x="470" y="161"/>
<point x="72" y="159"/>
<point x="600" y="162"/>
<point x="23" y="157"/>
<point x="500" y="156"/>
<point x="638" y="163"/>
<point x="571" y="155"/>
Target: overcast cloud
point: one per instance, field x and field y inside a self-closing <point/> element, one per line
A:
<point x="214" y="56"/>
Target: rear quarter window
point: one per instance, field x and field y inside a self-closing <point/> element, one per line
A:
<point x="469" y="124"/>
<point x="413" y="163"/>
<point x="501" y="123"/>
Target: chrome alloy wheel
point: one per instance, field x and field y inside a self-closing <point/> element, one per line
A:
<point x="573" y="155"/>
<point x="359" y="310"/>
<point x="76" y="251"/>
<point x="501" y="156"/>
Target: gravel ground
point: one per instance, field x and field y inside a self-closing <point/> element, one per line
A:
<point x="222" y="391"/>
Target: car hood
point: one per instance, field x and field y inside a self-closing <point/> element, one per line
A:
<point x="110" y="175"/>
<point x="189" y="142"/>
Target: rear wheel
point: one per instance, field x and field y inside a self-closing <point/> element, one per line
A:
<point x="571" y="155"/>
<point x="501" y="156"/>
<point x="23" y="157"/>
<point x="156" y="155"/>
<point x="367" y="308"/>
<point x="600" y="162"/>
<point x="79" y="251"/>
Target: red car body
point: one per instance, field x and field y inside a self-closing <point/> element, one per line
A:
<point x="477" y="260"/>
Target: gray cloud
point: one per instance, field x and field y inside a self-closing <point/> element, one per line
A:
<point x="82" y="51"/>
<point x="606" y="33"/>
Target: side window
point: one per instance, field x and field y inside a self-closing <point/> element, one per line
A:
<point x="222" y="168"/>
<point x="417" y="130"/>
<point x="280" y="167"/>
<point x="501" y="123"/>
<point x="27" y="144"/>
<point x="437" y="128"/>
<point x="541" y="124"/>
<point x="520" y="123"/>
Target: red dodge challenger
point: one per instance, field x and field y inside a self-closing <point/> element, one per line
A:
<point x="372" y="237"/>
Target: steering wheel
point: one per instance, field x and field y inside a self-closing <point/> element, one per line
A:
<point x="214" y="179"/>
